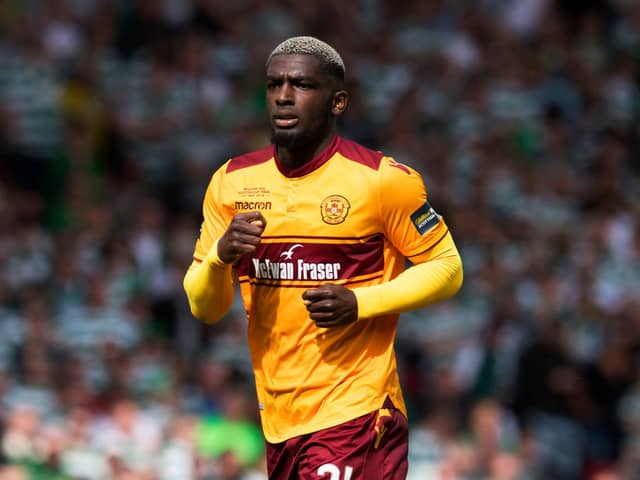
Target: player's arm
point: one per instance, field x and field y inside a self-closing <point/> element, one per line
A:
<point x="209" y="283"/>
<point x="209" y="287"/>
<point x="436" y="278"/>
<point x="421" y="234"/>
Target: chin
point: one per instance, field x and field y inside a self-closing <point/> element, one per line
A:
<point x="286" y="138"/>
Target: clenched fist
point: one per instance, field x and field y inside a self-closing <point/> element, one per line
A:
<point x="242" y="236"/>
<point x="331" y="305"/>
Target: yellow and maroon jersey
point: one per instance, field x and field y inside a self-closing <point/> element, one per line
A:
<point x="351" y="216"/>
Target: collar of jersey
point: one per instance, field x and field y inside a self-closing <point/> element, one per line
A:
<point x="308" y="167"/>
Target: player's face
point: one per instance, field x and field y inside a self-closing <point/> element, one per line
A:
<point x="301" y="101"/>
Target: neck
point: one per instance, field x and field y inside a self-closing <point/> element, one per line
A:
<point x="296" y="156"/>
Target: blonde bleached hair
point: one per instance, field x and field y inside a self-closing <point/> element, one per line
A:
<point x="305" y="45"/>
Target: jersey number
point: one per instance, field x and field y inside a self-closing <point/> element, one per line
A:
<point x="334" y="471"/>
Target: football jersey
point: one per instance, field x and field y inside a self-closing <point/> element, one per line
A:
<point x="350" y="216"/>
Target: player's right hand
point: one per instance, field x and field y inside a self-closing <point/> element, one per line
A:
<point x="242" y="236"/>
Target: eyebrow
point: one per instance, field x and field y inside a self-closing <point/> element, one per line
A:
<point x="292" y="77"/>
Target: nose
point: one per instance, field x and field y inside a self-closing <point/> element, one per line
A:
<point x="285" y="94"/>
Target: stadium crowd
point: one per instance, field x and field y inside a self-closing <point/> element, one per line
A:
<point x="522" y="115"/>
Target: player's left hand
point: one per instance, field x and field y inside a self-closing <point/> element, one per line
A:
<point x="331" y="305"/>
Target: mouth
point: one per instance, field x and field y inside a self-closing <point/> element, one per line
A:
<point x="285" y="121"/>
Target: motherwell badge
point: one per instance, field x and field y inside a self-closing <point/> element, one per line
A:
<point x="334" y="209"/>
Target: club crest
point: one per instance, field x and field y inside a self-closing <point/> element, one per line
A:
<point x="334" y="209"/>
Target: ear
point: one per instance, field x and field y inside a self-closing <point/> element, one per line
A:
<point x="340" y="101"/>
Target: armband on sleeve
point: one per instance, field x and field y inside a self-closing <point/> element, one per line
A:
<point x="420" y="285"/>
<point x="209" y="287"/>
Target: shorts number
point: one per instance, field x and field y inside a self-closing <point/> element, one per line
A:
<point x="334" y="471"/>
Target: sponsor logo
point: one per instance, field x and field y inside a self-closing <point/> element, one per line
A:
<point x="298" y="269"/>
<point x="252" y="205"/>
<point x="289" y="253"/>
<point x="334" y="209"/>
<point x="424" y="218"/>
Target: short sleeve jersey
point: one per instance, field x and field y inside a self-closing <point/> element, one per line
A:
<point x="351" y="216"/>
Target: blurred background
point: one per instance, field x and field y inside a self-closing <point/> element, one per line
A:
<point x="522" y="115"/>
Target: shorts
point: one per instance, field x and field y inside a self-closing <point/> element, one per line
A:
<point x="371" y="447"/>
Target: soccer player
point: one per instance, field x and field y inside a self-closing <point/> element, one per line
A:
<point x="316" y="228"/>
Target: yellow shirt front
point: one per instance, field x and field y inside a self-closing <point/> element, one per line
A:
<point x="351" y="217"/>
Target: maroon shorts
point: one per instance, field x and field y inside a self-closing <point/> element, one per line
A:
<point x="371" y="447"/>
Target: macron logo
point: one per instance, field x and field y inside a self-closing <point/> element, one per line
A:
<point x="288" y="254"/>
<point x="257" y="205"/>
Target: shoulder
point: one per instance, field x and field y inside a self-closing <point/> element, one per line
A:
<point x="373" y="159"/>
<point x="358" y="153"/>
<point x="399" y="182"/>
<point x="249" y="159"/>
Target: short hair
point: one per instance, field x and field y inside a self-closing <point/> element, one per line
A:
<point x="304" y="45"/>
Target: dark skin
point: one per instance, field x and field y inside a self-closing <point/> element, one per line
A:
<point x="303" y="103"/>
